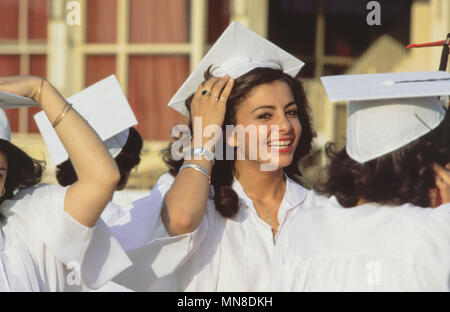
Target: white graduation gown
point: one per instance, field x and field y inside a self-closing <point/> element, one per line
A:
<point x="42" y="248"/>
<point x="114" y="216"/>
<point x="220" y="255"/>
<point x="371" y="247"/>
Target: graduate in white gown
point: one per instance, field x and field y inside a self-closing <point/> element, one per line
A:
<point x="123" y="142"/>
<point x="50" y="238"/>
<point x="373" y="227"/>
<point x="221" y="236"/>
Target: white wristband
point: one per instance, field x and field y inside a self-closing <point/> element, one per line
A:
<point x="200" y="151"/>
<point x="198" y="168"/>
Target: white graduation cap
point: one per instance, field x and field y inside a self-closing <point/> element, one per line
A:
<point x="5" y="129"/>
<point x="388" y="111"/>
<point x="104" y="106"/>
<point x="236" y="52"/>
<point x="10" y="101"/>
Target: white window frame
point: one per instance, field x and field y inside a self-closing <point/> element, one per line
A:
<point x="23" y="47"/>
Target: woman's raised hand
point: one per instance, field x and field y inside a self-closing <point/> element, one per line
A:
<point x="27" y="86"/>
<point x="96" y="170"/>
<point x="209" y="103"/>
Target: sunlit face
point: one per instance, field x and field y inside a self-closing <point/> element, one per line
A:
<point x="271" y="104"/>
<point x="3" y="171"/>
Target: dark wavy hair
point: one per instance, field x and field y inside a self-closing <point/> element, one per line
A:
<point x="222" y="176"/>
<point x="23" y="171"/>
<point x="405" y="175"/>
<point x="128" y="158"/>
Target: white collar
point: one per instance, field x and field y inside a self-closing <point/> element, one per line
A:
<point x="294" y="195"/>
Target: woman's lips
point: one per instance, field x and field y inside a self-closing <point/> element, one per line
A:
<point x="282" y="145"/>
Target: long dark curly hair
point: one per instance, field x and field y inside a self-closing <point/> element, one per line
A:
<point x="405" y="175"/>
<point x="225" y="198"/>
<point x="23" y="171"/>
<point x="128" y="158"/>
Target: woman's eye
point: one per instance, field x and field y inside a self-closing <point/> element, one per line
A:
<point x="264" y="116"/>
<point x="292" y="112"/>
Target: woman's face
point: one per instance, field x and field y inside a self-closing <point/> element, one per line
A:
<point x="3" y="171"/>
<point x="270" y="104"/>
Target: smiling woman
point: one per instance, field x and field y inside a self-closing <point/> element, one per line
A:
<point x="261" y="85"/>
<point x="214" y="224"/>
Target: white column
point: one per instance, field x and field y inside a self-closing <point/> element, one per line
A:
<point x="440" y="27"/>
<point x="253" y="14"/>
<point x="122" y="41"/>
<point x="199" y="28"/>
<point x="24" y="59"/>
<point x="57" y="46"/>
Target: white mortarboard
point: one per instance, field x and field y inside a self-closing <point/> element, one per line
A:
<point x="9" y="101"/>
<point x="388" y="111"/>
<point x="238" y="51"/>
<point x="5" y="129"/>
<point x="104" y="106"/>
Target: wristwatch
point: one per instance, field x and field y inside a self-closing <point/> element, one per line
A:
<point x="200" y="151"/>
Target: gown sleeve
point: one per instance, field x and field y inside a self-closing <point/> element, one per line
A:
<point x="69" y="255"/>
<point x="154" y="253"/>
<point x="432" y="256"/>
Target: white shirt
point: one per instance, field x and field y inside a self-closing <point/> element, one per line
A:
<point x="220" y="255"/>
<point x="370" y="247"/>
<point x="42" y="248"/>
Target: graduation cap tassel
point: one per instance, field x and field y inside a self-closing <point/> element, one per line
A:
<point x="444" y="55"/>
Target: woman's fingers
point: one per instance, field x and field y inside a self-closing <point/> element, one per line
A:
<point x="208" y="99"/>
<point x="442" y="173"/>
<point x="20" y="85"/>
<point x="442" y="181"/>
<point x="209" y="85"/>
<point x="218" y="87"/>
<point x="226" y="91"/>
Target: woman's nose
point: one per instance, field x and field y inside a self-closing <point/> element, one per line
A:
<point x="284" y="124"/>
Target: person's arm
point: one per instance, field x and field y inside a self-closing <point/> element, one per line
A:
<point x="97" y="172"/>
<point x="185" y="203"/>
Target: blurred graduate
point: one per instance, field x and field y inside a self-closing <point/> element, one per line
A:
<point x="382" y="220"/>
<point x="123" y="142"/>
<point x="50" y="238"/>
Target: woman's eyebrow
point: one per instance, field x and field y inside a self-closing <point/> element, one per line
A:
<point x="289" y="104"/>
<point x="265" y="106"/>
<point x="273" y="107"/>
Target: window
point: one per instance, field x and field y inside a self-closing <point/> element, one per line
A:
<point x="330" y="35"/>
<point x="23" y="37"/>
<point x="151" y="46"/>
